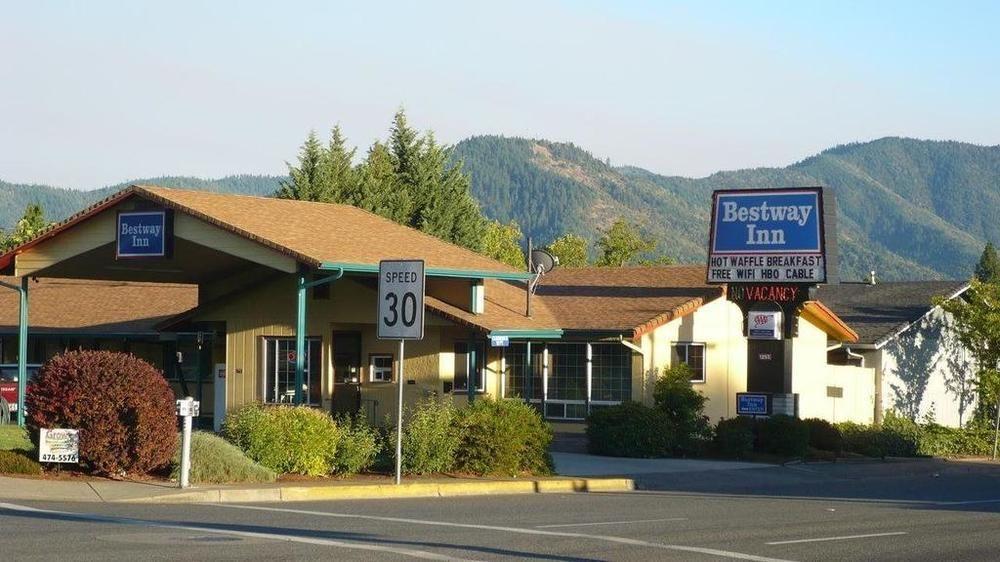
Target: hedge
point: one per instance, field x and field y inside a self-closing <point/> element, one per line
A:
<point x="285" y="439"/>
<point x="17" y="462"/>
<point x="899" y="436"/>
<point x="502" y="437"/>
<point x="629" y="429"/>
<point x="430" y="439"/>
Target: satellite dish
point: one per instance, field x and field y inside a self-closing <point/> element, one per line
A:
<point x="542" y="262"/>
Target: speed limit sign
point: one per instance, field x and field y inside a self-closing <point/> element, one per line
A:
<point x="401" y="300"/>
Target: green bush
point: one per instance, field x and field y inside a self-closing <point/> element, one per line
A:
<point x="503" y="437"/>
<point x="735" y="437"/>
<point x="942" y="441"/>
<point x="286" y="439"/>
<point x="17" y="462"/>
<point x="216" y="461"/>
<point x="900" y="436"/>
<point x="824" y="436"/>
<point x="629" y="429"/>
<point x="430" y="438"/>
<point x="359" y="445"/>
<point x="862" y="439"/>
<point x="684" y="408"/>
<point x="784" y="435"/>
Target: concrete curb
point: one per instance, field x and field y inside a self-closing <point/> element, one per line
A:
<point x="386" y="491"/>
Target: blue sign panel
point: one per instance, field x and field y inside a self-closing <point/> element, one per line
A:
<point x="752" y="404"/>
<point x="142" y="234"/>
<point x="767" y="235"/>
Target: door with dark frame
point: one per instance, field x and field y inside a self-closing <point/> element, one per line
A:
<point x="347" y="371"/>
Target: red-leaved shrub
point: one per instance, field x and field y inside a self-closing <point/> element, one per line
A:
<point x="122" y="406"/>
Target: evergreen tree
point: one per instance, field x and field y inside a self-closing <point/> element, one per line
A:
<point x="502" y="242"/>
<point x="338" y="169"/>
<point x="621" y="244"/>
<point x="570" y="249"/>
<point x="307" y="181"/>
<point x="379" y="190"/>
<point x="31" y="224"/>
<point x="988" y="268"/>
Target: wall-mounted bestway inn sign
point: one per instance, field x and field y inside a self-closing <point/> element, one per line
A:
<point x="766" y="235"/>
<point x="143" y="234"/>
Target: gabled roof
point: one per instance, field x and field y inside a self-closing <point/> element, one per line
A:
<point x="315" y="234"/>
<point x="880" y="312"/>
<point x="628" y="300"/>
<point x="71" y="306"/>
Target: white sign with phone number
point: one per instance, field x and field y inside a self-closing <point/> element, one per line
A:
<point x="764" y="325"/>
<point x="59" y="445"/>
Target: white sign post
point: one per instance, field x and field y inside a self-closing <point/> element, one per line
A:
<point x="400" y="317"/>
<point x="187" y="409"/>
<point x="59" y="445"/>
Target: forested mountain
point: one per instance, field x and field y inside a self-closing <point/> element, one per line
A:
<point x="908" y="208"/>
<point x="59" y="203"/>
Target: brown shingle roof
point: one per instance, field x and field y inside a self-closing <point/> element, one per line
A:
<point x="313" y="233"/>
<point x="622" y="299"/>
<point x="95" y="307"/>
<point x="321" y="232"/>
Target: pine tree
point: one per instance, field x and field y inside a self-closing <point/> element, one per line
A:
<point x="988" y="268"/>
<point x="570" y="249"/>
<point x="307" y="181"/>
<point x="338" y="169"/>
<point x="502" y="242"/>
<point x="621" y="244"/>
<point x="379" y="190"/>
<point x="31" y="224"/>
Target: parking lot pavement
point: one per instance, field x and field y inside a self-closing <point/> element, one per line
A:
<point x="913" y="515"/>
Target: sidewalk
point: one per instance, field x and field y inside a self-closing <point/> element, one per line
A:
<point x="160" y="492"/>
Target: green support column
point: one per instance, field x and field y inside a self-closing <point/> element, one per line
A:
<point x="300" y="338"/>
<point x="22" y="352"/>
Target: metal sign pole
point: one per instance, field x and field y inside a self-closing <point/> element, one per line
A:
<point x="399" y="417"/>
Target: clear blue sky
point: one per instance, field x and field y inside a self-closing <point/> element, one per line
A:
<point x="93" y="93"/>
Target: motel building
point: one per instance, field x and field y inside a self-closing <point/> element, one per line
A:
<point x="237" y="298"/>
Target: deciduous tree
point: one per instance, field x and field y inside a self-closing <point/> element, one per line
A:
<point x="571" y="250"/>
<point x="502" y="242"/>
<point x="621" y="244"/>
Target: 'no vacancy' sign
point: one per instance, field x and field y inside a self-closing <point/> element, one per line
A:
<point x="401" y="300"/>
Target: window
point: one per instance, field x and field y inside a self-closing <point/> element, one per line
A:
<point x="279" y="370"/>
<point x="611" y="375"/>
<point x="469" y="358"/>
<point x="380" y="368"/>
<point x="694" y="355"/>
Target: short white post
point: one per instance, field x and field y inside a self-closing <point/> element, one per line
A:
<point x="186" y="408"/>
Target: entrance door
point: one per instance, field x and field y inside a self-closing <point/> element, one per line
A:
<point x="346" y="372"/>
<point x="766" y="366"/>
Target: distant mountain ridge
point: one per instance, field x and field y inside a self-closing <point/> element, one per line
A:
<point x="909" y="209"/>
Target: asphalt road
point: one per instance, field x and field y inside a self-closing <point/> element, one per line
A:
<point x="895" y="511"/>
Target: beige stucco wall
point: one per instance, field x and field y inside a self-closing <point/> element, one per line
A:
<point x="719" y="326"/>
<point x="811" y="375"/>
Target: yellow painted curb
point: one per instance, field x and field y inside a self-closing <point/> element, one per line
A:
<point x="383" y="491"/>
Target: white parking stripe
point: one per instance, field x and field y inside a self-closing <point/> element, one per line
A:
<point x="844" y="538"/>
<point x="605" y="538"/>
<point x="610" y="523"/>
<point x="246" y="534"/>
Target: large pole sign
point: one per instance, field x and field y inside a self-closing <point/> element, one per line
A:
<point x="400" y="317"/>
<point x="767" y="236"/>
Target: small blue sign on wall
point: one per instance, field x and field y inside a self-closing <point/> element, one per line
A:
<point x="143" y="234"/>
<point x="767" y="235"/>
<point x="750" y="404"/>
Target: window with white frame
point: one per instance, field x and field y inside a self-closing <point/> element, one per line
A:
<point x="380" y="368"/>
<point x="470" y="357"/>
<point x="279" y="370"/>
<point x="693" y="354"/>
